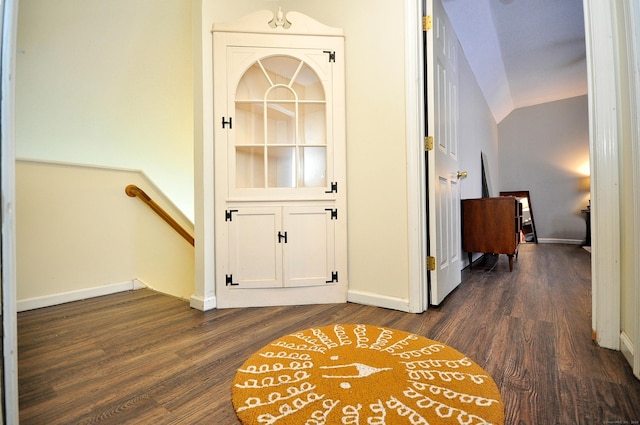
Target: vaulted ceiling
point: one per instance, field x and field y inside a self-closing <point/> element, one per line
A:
<point x="522" y="52"/>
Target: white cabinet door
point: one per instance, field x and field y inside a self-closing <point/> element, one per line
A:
<point x="279" y="122"/>
<point x="274" y="247"/>
<point x="310" y="249"/>
<point x="281" y="255"/>
<point x="255" y="251"/>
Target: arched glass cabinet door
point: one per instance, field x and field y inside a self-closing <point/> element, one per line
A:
<point x="281" y="127"/>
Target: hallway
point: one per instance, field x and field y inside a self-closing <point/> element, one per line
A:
<point x="142" y="357"/>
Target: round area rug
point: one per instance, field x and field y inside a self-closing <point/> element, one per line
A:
<point x="363" y="374"/>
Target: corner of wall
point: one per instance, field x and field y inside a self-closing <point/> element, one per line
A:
<point x="203" y="304"/>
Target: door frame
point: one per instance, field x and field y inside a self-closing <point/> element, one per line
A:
<point x="632" y="16"/>
<point x="604" y="147"/>
<point x="416" y="168"/>
<point x="7" y="159"/>
<point x="634" y="21"/>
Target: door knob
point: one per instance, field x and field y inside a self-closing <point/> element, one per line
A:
<point x="462" y="174"/>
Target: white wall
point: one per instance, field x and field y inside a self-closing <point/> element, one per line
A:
<point x="376" y="139"/>
<point x="108" y="83"/>
<point x="478" y="134"/>
<point x="77" y="231"/>
<point x="545" y="149"/>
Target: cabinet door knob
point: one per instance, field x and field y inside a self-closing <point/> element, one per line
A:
<point x="462" y="174"/>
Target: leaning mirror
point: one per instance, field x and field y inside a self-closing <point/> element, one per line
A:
<point x="528" y="224"/>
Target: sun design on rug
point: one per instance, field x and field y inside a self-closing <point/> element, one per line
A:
<point x="362" y="374"/>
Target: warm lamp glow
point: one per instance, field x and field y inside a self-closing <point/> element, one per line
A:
<point x="585" y="169"/>
<point x="584" y="184"/>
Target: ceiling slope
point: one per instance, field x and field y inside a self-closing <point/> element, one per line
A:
<point x="522" y="52"/>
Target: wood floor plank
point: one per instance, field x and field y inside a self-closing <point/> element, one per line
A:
<point x="141" y="357"/>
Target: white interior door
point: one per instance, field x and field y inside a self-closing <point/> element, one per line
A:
<point x="442" y="123"/>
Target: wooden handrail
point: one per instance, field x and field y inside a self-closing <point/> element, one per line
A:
<point x="135" y="192"/>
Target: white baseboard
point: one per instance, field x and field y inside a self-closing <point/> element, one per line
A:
<point x="203" y="304"/>
<point x="565" y="241"/>
<point x="377" y="300"/>
<point x="626" y="347"/>
<point x="81" y="294"/>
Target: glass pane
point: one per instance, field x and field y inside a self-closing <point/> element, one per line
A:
<point x="280" y="102"/>
<point x="307" y="85"/>
<point x="281" y="69"/>
<point x="312" y="123"/>
<point x="312" y="167"/>
<point x="279" y="93"/>
<point x="249" y="125"/>
<point x="281" y="168"/>
<point x="249" y="167"/>
<point x="281" y="123"/>
<point x="253" y="84"/>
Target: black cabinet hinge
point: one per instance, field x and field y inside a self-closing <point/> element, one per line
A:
<point x="225" y="122"/>
<point x="282" y="237"/>
<point x="332" y="55"/>
<point x="334" y="213"/>
<point x="228" y="215"/>
<point x="334" y="277"/>
<point x="334" y="188"/>
<point x="229" y="280"/>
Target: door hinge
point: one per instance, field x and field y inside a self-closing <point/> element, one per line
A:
<point x="428" y="143"/>
<point x="332" y="55"/>
<point x="334" y="188"/>
<point x="229" y="122"/>
<point x="334" y="277"/>
<point x="228" y="215"/>
<point x="334" y="213"/>
<point x="229" y="280"/>
<point x="431" y="263"/>
<point x="426" y="23"/>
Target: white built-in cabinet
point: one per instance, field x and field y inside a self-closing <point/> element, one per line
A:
<point x="279" y="145"/>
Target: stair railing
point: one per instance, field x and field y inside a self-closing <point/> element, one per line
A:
<point x="135" y="192"/>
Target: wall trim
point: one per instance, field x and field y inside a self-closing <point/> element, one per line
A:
<point x="626" y="347"/>
<point x="145" y="177"/>
<point x="80" y="294"/>
<point x="377" y="300"/>
<point x="203" y="304"/>
<point x="562" y="241"/>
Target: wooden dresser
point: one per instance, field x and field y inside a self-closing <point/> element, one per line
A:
<point x="491" y="226"/>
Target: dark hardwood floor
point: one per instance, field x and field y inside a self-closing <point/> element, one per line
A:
<point x="141" y="357"/>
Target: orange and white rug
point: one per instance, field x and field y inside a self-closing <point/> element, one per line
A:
<point x="363" y="374"/>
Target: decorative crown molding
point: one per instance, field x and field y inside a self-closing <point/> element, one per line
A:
<point x="268" y="22"/>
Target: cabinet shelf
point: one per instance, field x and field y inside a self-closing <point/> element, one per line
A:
<point x="261" y="101"/>
<point x="286" y="145"/>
